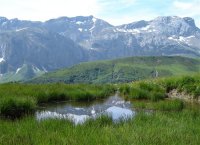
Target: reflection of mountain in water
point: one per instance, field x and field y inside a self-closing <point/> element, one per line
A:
<point x="114" y="106"/>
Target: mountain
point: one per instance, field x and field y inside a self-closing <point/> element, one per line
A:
<point x="122" y="70"/>
<point x="161" y="36"/>
<point x="44" y="50"/>
<point x="80" y="29"/>
<point x="26" y="72"/>
<point x="170" y="35"/>
<point x="64" y="42"/>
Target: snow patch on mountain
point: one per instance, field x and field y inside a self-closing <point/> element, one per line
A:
<point x="186" y="40"/>
<point x="4" y="23"/>
<point x="79" y="22"/>
<point x="17" y="71"/>
<point x="92" y="28"/>
<point x="21" y="29"/>
<point x="44" y="69"/>
<point x="94" y="19"/>
<point x="35" y="69"/>
<point x="146" y="29"/>
<point x="80" y="29"/>
<point x="2" y="59"/>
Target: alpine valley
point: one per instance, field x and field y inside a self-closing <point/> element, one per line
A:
<point x="29" y="49"/>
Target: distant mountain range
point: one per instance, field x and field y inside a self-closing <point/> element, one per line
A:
<point x="58" y="43"/>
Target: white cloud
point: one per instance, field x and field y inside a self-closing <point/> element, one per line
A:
<point x="114" y="11"/>
<point x="125" y="19"/>
<point x="186" y="9"/>
<point x="46" y="9"/>
<point x="191" y="8"/>
<point x="183" y="5"/>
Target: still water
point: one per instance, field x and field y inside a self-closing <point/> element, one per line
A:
<point x="78" y="112"/>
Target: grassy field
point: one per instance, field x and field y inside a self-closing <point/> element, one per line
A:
<point x="123" y="70"/>
<point x="159" y="120"/>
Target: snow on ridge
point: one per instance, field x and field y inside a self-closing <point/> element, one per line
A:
<point x="2" y="59"/>
<point x="21" y="29"/>
<point x="18" y="70"/>
<point x="80" y="29"/>
<point x="35" y="69"/>
<point x="192" y="36"/>
<point x="94" y="20"/>
<point x="79" y="22"/>
<point x="4" y="23"/>
<point x="182" y="39"/>
<point x="147" y="28"/>
<point x="134" y="31"/>
<point x="91" y="29"/>
<point x="171" y="38"/>
<point x="44" y="69"/>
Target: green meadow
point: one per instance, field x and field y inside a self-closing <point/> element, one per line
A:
<point x="159" y="119"/>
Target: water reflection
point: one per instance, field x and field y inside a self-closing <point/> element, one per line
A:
<point x="114" y="106"/>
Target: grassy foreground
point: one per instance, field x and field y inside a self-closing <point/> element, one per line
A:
<point x="168" y="128"/>
<point x="172" y="122"/>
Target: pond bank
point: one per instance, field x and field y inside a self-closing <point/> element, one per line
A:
<point x="183" y="96"/>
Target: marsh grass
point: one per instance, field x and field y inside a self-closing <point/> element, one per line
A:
<point x="172" y="122"/>
<point x="162" y="105"/>
<point x="17" y="100"/>
<point x="14" y="108"/>
<point x="157" y="128"/>
<point x="143" y="91"/>
<point x="188" y="84"/>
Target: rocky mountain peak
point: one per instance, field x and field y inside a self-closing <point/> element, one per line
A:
<point x="190" y="21"/>
<point x="3" y="19"/>
<point x="174" y="25"/>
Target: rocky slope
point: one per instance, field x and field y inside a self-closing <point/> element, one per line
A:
<point x="63" y="42"/>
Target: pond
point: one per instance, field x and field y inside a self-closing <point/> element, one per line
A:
<point x="78" y="112"/>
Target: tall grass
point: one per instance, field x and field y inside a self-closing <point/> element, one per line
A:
<point x="144" y="91"/>
<point x="163" y="105"/>
<point x="19" y="99"/>
<point x="149" y="129"/>
<point x="187" y="84"/>
<point x="157" y="89"/>
<point x="15" y="108"/>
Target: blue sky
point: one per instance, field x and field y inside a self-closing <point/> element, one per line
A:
<point x="114" y="11"/>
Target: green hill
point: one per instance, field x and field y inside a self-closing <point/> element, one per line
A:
<point x="123" y="70"/>
<point x="26" y="72"/>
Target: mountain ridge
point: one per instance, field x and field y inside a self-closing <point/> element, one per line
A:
<point x="64" y="41"/>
